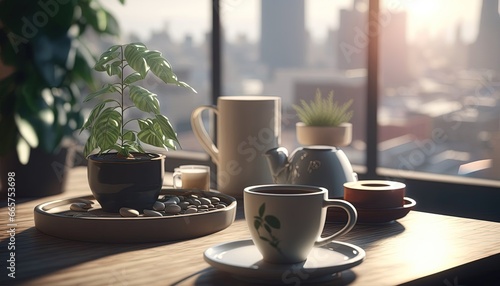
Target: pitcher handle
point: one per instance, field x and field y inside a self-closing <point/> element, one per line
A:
<point x="201" y="133"/>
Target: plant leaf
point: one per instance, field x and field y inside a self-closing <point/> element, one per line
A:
<point x="94" y="15"/>
<point x="166" y="127"/>
<point x="149" y="136"/>
<point x="131" y="146"/>
<point x="324" y="112"/>
<point x="93" y="115"/>
<point x="27" y="131"/>
<point x="183" y="84"/>
<point x="257" y="224"/>
<point x="129" y="135"/>
<point x="262" y="209"/>
<point x="90" y="146"/>
<point x="170" y="144"/>
<point x="109" y="55"/>
<point x="81" y="68"/>
<point x="153" y="56"/>
<point x="150" y="133"/>
<point x="139" y="147"/>
<point x="144" y="123"/>
<point x="273" y="221"/>
<point x="160" y="66"/>
<point x="107" y="88"/>
<point x="114" y="69"/>
<point x="133" y="77"/>
<point x="167" y="142"/>
<point x="106" y="129"/>
<point x="144" y="99"/>
<point x="112" y="26"/>
<point x="135" y="58"/>
<point x="23" y="151"/>
<point x="264" y="238"/>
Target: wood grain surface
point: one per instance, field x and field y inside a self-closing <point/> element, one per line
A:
<point x="419" y="249"/>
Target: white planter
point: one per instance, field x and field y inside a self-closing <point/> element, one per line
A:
<point x="324" y="135"/>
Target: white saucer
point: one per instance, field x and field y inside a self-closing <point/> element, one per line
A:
<point x="242" y="258"/>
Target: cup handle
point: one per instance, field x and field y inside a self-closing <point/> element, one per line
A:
<point x="176" y="176"/>
<point x="352" y="217"/>
<point x="201" y="133"/>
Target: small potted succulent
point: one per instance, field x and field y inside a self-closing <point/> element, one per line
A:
<point x="324" y="121"/>
<point x="120" y="172"/>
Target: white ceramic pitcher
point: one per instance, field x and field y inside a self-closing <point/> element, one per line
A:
<point x="247" y="126"/>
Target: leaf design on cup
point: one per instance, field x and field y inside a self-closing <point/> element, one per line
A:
<point x="268" y="223"/>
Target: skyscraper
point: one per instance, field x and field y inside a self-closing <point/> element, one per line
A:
<point x="483" y="53"/>
<point x="352" y="38"/>
<point x="394" y="51"/>
<point x="352" y="48"/>
<point x="283" y="36"/>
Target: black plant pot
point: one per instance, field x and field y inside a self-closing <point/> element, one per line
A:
<point x="44" y="175"/>
<point x="118" y="182"/>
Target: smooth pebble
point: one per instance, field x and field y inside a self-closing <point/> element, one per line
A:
<point x="172" y="209"/>
<point x="79" y="207"/>
<point x="128" y="212"/>
<point x="151" y="213"/>
<point x="87" y="202"/>
<point x="184" y="205"/>
<point x="191" y="211"/>
<point x="196" y="202"/>
<point x="172" y="201"/>
<point x="204" y="201"/>
<point x="158" y="206"/>
<point x="169" y="206"/>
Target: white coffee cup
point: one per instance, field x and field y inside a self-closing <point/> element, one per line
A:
<point x="247" y="126"/>
<point x="192" y="177"/>
<point x="286" y="221"/>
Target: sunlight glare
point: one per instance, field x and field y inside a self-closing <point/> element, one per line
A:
<point x="422" y="8"/>
<point x="430" y="16"/>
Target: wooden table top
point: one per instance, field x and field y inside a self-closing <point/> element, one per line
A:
<point x="419" y="249"/>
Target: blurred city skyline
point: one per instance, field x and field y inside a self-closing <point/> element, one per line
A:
<point x="242" y="18"/>
<point x="439" y="71"/>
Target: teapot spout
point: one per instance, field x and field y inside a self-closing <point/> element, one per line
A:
<point x="277" y="158"/>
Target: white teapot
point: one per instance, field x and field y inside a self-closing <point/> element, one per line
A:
<point x="321" y="166"/>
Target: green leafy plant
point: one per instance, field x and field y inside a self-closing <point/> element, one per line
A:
<point x="268" y="222"/>
<point x="129" y="64"/>
<point x="44" y="60"/>
<point x="324" y="111"/>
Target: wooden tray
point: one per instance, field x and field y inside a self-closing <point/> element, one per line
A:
<point x="55" y="218"/>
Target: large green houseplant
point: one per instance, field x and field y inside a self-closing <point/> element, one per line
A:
<point x="323" y="121"/>
<point x="43" y="62"/>
<point x="120" y="172"/>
